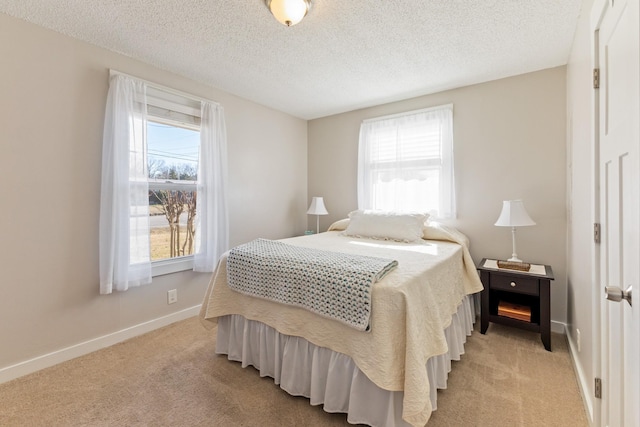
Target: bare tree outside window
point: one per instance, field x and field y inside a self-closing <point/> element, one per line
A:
<point x="174" y="203"/>
<point x="172" y="208"/>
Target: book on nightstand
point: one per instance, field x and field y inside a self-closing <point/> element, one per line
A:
<point x="514" y="311"/>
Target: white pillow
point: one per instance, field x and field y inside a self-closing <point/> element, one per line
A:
<point x="339" y="225"/>
<point x="404" y="227"/>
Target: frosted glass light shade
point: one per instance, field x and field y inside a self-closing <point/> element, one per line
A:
<point x="317" y="207"/>
<point x="289" y="12"/>
<point x="514" y="215"/>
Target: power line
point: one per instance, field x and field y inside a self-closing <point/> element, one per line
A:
<point x="167" y="154"/>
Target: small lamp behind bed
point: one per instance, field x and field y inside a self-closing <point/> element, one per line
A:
<point x="317" y="208"/>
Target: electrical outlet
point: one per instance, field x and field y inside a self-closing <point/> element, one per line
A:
<point x="578" y="339"/>
<point x="172" y="296"/>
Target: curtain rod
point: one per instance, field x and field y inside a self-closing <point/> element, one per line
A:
<point x="163" y="88"/>
<point x="408" y="113"/>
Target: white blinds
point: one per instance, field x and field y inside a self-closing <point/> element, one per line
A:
<point x="173" y="108"/>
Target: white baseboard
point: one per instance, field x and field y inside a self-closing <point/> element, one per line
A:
<point x="558" y="327"/>
<point x="583" y="382"/>
<point x="37" y="363"/>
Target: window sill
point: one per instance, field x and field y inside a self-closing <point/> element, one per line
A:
<point x="174" y="265"/>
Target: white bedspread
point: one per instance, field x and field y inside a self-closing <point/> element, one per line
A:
<point x="411" y="307"/>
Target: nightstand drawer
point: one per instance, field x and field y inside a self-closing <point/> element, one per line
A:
<point x="521" y="285"/>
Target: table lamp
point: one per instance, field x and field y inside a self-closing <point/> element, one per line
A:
<point x="317" y="208"/>
<point x="514" y="215"/>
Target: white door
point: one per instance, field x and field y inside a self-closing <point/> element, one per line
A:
<point x="618" y="31"/>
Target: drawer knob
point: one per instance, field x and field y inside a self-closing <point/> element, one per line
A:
<point x="513" y="284"/>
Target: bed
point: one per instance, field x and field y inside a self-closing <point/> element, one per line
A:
<point x="421" y="313"/>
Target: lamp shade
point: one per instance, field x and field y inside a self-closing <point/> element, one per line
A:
<point x="289" y="12"/>
<point x="317" y="207"/>
<point x="514" y="215"/>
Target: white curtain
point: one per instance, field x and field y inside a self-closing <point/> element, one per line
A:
<point x="212" y="224"/>
<point x="124" y="209"/>
<point x="405" y="163"/>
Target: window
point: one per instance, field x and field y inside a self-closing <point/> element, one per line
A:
<point x="405" y="162"/>
<point x="173" y="146"/>
<point x="172" y="159"/>
<point x="163" y="198"/>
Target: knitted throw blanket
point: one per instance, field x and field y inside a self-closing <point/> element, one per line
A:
<point x="331" y="284"/>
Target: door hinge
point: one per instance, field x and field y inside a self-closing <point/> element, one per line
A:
<point x="598" y="389"/>
<point x="596" y="232"/>
<point x="596" y="78"/>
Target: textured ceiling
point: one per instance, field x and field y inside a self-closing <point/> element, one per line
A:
<point x="346" y="54"/>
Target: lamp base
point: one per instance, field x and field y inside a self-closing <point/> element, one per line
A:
<point x="514" y="259"/>
<point x="514" y="265"/>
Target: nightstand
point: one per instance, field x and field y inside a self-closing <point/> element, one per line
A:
<point x="517" y="298"/>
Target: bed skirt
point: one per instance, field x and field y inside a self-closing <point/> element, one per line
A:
<point x="329" y="378"/>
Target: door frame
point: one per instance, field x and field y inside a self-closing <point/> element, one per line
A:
<point x="597" y="11"/>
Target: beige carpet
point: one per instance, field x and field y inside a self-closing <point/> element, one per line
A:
<point x="171" y="377"/>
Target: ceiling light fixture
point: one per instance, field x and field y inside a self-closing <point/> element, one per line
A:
<point x="288" y="12"/>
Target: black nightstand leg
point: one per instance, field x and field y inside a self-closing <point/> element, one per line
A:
<point x="484" y="306"/>
<point x="545" y="314"/>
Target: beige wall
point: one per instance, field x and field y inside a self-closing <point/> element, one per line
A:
<point x="582" y="290"/>
<point x="52" y="96"/>
<point x="509" y="142"/>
